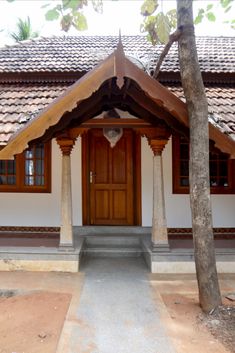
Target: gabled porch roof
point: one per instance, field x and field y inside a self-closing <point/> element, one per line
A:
<point x="115" y="82"/>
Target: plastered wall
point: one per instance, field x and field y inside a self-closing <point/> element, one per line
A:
<point x="28" y="209"/>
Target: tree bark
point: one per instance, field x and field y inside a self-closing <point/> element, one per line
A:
<point x="209" y="292"/>
<point x="174" y="37"/>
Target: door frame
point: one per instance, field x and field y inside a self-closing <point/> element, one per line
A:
<point x="136" y="178"/>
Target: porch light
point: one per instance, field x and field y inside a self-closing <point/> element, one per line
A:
<point x="113" y="135"/>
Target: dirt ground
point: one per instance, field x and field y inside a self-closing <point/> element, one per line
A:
<point x="191" y="330"/>
<point x="31" y="322"/>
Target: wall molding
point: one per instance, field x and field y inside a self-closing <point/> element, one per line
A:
<point x="41" y="232"/>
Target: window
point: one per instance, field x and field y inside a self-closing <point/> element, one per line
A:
<point x="28" y="172"/>
<point x="222" y="169"/>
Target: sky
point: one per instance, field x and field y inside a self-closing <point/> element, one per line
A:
<point x="122" y="14"/>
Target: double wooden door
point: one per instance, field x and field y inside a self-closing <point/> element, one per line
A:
<point x="110" y="179"/>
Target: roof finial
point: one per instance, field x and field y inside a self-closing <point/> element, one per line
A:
<point x="120" y="45"/>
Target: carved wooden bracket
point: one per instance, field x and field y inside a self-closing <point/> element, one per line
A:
<point x="157" y="138"/>
<point x="67" y="139"/>
<point x="77" y="131"/>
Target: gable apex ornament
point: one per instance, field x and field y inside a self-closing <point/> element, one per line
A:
<point x="120" y="45"/>
<point x="119" y="67"/>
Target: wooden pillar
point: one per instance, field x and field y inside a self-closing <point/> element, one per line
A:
<point x="66" y="229"/>
<point x="159" y="225"/>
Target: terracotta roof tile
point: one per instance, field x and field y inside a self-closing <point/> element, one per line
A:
<point x="82" y="53"/>
<point x="221" y="106"/>
<point x="19" y="103"/>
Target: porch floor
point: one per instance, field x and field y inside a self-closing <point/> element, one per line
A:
<point x="52" y="240"/>
<point x="41" y="252"/>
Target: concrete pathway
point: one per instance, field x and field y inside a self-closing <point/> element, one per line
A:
<point x="116" y="311"/>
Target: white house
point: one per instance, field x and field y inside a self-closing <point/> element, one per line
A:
<point x="100" y="146"/>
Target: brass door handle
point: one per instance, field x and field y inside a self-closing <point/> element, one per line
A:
<point x="91" y="176"/>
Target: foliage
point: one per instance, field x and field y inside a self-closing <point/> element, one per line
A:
<point x="158" y="25"/>
<point x="70" y="14"/>
<point x="24" y="30"/>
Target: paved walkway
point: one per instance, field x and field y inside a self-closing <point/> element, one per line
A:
<point x="116" y="311"/>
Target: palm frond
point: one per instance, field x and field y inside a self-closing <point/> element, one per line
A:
<point x="24" y="30"/>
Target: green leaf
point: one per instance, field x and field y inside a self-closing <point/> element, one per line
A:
<point x="74" y="5"/>
<point x="149" y="7"/>
<point x="211" y="17"/>
<point x="163" y="27"/>
<point x="149" y="26"/>
<point x="225" y="3"/>
<point x="172" y="18"/>
<point x="52" y="15"/>
<point x="10" y="0"/>
<point x="198" y="19"/>
<point x="80" y="22"/>
<point x="209" y="7"/>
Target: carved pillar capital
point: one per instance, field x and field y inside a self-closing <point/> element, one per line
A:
<point x="157" y="145"/>
<point x="66" y="144"/>
<point x="157" y="137"/>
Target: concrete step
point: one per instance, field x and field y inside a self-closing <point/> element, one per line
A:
<point x="112" y="246"/>
<point x="112" y="240"/>
<point x="112" y="252"/>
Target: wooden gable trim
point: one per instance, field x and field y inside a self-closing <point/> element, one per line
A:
<point x="52" y="114"/>
<point x="115" y="65"/>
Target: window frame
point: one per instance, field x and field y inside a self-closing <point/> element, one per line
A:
<point x="178" y="189"/>
<point x="19" y="186"/>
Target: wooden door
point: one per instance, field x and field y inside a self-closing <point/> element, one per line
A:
<point x="111" y="183"/>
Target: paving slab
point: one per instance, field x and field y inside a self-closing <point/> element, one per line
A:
<point x="116" y="311"/>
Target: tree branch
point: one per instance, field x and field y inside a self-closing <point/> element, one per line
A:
<point x="172" y="38"/>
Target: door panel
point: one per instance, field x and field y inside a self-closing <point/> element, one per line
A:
<point x="111" y="179"/>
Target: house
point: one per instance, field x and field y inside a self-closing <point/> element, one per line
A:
<point x="100" y="145"/>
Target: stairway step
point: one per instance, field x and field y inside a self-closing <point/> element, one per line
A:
<point x="100" y="251"/>
<point x="111" y="240"/>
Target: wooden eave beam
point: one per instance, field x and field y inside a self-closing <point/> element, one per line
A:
<point x="111" y="122"/>
<point x="223" y="142"/>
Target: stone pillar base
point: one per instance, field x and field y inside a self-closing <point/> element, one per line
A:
<point x="164" y="247"/>
<point x="66" y="247"/>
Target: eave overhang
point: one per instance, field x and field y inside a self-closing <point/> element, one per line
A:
<point x="116" y="66"/>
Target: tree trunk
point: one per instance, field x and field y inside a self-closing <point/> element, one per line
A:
<point x="209" y="292"/>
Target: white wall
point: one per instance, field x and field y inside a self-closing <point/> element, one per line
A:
<point x="28" y="209"/>
<point x="177" y="206"/>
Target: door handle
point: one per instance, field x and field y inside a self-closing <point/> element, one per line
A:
<point x="91" y="176"/>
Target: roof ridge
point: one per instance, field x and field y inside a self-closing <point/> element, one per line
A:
<point x="64" y="36"/>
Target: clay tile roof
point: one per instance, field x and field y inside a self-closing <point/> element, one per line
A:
<point x="19" y="103"/>
<point x="221" y="106"/>
<point x="22" y="101"/>
<point x="82" y="53"/>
